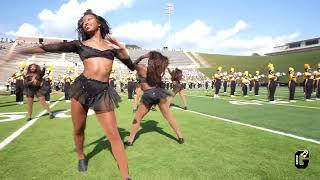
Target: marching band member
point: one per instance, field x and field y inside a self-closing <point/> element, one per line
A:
<point x="19" y="86"/>
<point x="112" y="78"/>
<point x="131" y="89"/>
<point x="47" y="79"/>
<point x="272" y="83"/>
<point x="67" y="84"/>
<point x="245" y="83"/>
<point x="292" y="83"/>
<point x="308" y="76"/>
<point x="317" y="78"/>
<point x="225" y="82"/>
<point x="256" y="83"/>
<point x="232" y="78"/>
<point x="251" y="84"/>
<point x="217" y="81"/>
<point x="8" y="83"/>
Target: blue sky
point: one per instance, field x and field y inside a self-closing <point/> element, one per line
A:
<point x="230" y="27"/>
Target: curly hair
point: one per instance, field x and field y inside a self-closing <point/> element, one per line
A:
<point x="38" y="69"/>
<point x="176" y="75"/>
<point x="104" y="26"/>
<point x="157" y="65"/>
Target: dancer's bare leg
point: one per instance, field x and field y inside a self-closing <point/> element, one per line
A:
<point x="29" y="106"/>
<point x="183" y="97"/>
<point x="108" y="122"/>
<point x="167" y="114"/>
<point x="79" y="117"/>
<point x="141" y="112"/>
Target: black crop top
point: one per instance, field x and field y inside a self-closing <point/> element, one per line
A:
<point x="78" y="47"/>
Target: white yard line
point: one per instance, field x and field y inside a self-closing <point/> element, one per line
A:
<point x="26" y="126"/>
<point x="255" y="127"/>
<point x="264" y="100"/>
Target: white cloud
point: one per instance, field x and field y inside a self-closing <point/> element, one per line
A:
<point x="239" y="26"/>
<point x="25" y="28"/>
<point x="141" y="32"/>
<point x="197" y="36"/>
<point x="191" y="35"/>
<point x="63" y="22"/>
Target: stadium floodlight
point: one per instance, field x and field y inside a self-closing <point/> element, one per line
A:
<point x="169" y="11"/>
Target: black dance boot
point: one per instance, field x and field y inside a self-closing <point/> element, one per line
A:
<point x="51" y="116"/>
<point x="82" y="165"/>
<point x="180" y="140"/>
<point x="127" y="143"/>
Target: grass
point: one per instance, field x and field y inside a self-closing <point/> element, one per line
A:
<point x="253" y="63"/>
<point x="214" y="149"/>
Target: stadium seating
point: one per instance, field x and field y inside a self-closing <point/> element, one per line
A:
<point x="61" y="60"/>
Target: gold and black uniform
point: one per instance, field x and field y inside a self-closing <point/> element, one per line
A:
<point x="217" y="80"/>
<point x="317" y="79"/>
<point x="272" y="83"/>
<point x="131" y="85"/>
<point x="232" y="78"/>
<point x="256" y="83"/>
<point x="292" y="83"/>
<point x="245" y="82"/>
<point x="19" y="85"/>
<point x="46" y="83"/>
<point x="225" y="82"/>
<point x="308" y="84"/>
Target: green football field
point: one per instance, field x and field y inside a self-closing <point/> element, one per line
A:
<point x="225" y="138"/>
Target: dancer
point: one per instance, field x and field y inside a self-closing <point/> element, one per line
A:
<point x="34" y="87"/>
<point x="91" y="88"/>
<point x="150" y="80"/>
<point x="176" y="77"/>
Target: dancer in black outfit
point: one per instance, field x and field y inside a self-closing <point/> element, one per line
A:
<point x="150" y="80"/>
<point x="34" y="87"/>
<point x="91" y="89"/>
<point x="176" y="77"/>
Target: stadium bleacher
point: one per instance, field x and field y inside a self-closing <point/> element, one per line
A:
<point x="177" y="59"/>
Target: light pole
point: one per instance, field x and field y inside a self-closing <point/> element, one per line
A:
<point x="169" y="12"/>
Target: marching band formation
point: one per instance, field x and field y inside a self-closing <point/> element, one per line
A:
<point x="127" y="82"/>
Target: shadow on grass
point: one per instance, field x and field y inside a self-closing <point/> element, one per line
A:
<point x="55" y="112"/>
<point x="7" y="105"/>
<point x="175" y="105"/>
<point x="102" y="143"/>
<point x="152" y="126"/>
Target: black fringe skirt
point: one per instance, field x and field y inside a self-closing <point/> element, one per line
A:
<point x="98" y="95"/>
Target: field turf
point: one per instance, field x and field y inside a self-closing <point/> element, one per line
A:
<point x="213" y="149"/>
